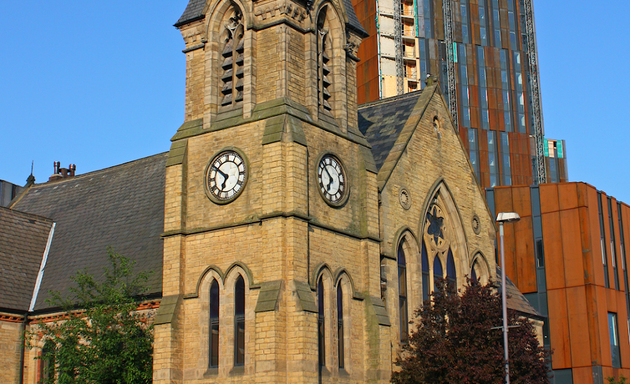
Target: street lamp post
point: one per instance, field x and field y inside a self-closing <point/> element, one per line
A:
<point x="505" y="217"/>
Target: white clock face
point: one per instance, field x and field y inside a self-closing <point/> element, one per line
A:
<point x="332" y="179"/>
<point x="226" y="175"/>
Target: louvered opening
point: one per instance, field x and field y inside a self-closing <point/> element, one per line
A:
<point x="323" y="61"/>
<point x="232" y="65"/>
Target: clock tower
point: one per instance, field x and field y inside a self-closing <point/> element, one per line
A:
<point x="271" y="238"/>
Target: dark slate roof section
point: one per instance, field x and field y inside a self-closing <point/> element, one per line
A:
<point x="121" y="206"/>
<point x="193" y="11"/>
<point x="515" y="299"/>
<point x="353" y="20"/>
<point x="23" y="239"/>
<point x="382" y="121"/>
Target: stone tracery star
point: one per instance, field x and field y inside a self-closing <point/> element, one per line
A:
<point x="435" y="225"/>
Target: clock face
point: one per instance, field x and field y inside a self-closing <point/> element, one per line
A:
<point x="226" y="175"/>
<point x="332" y="179"/>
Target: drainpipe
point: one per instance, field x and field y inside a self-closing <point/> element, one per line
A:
<point x="23" y="347"/>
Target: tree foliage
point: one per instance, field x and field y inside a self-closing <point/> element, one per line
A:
<point x="456" y="340"/>
<point x="102" y="339"/>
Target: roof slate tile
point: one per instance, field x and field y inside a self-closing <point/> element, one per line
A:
<point x="121" y="207"/>
<point x="23" y="239"/>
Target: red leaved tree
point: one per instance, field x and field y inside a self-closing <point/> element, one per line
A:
<point x="459" y="339"/>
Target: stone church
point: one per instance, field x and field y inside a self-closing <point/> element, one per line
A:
<point x="291" y="232"/>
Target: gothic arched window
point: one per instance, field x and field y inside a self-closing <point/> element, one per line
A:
<point x="47" y="362"/>
<point x="402" y="293"/>
<point x="425" y="273"/>
<point x="451" y="274"/>
<point x="324" y="52"/>
<point x="232" y="59"/>
<point x="213" y="361"/>
<point x="239" y="321"/>
<point x="473" y="273"/>
<point x="340" y="335"/>
<point x="321" y="317"/>
<point x="438" y="272"/>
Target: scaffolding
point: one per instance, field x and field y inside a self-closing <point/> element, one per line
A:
<point x="450" y="60"/>
<point x="539" y="157"/>
<point x="398" y="44"/>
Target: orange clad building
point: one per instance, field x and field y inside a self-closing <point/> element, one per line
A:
<point x="567" y="254"/>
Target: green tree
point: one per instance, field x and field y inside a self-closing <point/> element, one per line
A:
<point x="102" y="338"/>
<point x="616" y="380"/>
<point x="459" y="339"/>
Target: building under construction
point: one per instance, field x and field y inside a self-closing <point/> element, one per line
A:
<point x="483" y="53"/>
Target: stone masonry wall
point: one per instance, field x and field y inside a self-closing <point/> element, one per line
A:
<point x="10" y="348"/>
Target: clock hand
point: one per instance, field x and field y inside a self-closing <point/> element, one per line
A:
<point x="225" y="177"/>
<point x="330" y="179"/>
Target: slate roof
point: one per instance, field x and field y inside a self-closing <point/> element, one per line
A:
<point x="194" y="10"/>
<point x="382" y="121"/>
<point x="23" y="238"/>
<point x="121" y="206"/>
<point x="515" y="299"/>
<point x="353" y="20"/>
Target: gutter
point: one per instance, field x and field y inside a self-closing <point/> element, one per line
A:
<point x="38" y="282"/>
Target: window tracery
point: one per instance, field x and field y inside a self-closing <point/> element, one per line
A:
<point x="439" y="244"/>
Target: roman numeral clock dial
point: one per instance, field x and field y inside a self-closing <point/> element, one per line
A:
<point x="332" y="180"/>
<point x="226" y="176"/>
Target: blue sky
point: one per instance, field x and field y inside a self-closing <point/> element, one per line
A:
<point x="102" y="83"/>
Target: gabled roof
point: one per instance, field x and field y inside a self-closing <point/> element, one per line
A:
<point x="195" y="10"/>
<point x="121" y="206"/>
<point x="23" y="239"/>
<point x="382" y="121"/>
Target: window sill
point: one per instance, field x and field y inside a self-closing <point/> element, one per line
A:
<point x="238" y="370"/>
<point x="211" y="372"/>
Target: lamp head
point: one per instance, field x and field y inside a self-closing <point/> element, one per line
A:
<point x="507" y="217"/>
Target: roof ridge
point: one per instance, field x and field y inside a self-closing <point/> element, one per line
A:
<point x="390" y="99"/>
<point x="92" y="173"/>
<point x="26" y="214"/>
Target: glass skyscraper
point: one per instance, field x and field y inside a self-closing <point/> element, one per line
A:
<point x="492" y="83"/>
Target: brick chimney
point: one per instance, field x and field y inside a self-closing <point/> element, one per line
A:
<point x="62" y="173"/>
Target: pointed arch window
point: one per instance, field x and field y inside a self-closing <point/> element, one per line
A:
<point x="47" y="363"/>
<point x="232" y="61"/>
<point x="473" y="273"/>
<point x="323" y="62"/>
<point x="321" y="317"/>
<point x="438" y="272"/>
<point x="213" y="361"/>
<point x="239" y="321"/>
<point x="402" y="294"/>
<point x="425" y="273"/>
<point x="340" y="333"/>
<point x="451" y="273"/>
